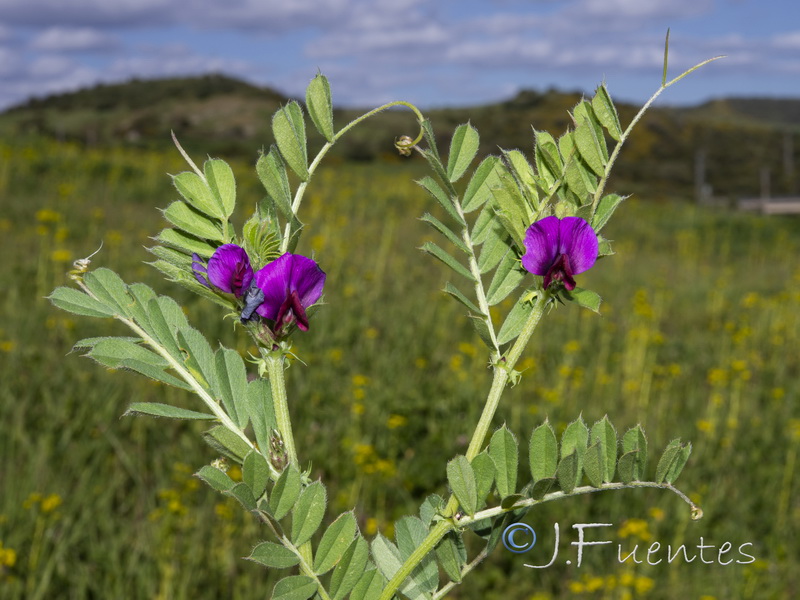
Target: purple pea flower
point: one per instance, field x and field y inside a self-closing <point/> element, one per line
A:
<point x="290" y="285"/>
<point x="560" y="248"/>
<point x="228" y="270"/>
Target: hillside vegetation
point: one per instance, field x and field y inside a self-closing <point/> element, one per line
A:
<point x="737" y="138"/>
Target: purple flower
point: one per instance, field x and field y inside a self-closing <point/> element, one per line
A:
<point x="290" y="285"/>
<point x="228" y="270"/>
<point x="560" y="248"/>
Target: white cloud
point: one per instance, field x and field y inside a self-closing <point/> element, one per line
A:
<point x="68" y="39"/>
<point x="83" y="13"/>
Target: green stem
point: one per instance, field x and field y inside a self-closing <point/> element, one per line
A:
<point x="480" y="294"/>
<point x="301" y="189"/>
<point x="442" y="592"/>
<point x="277" y="383"/>
<point x="501" y="375"/>
<point x="623" y="138"/>
<point x="305" y="557"/>
<point x="579" y="491"/>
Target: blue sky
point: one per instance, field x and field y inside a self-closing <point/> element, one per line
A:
<point x="429" y="52"/>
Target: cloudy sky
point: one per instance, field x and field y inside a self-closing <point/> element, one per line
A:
<point x="430" y="52"/>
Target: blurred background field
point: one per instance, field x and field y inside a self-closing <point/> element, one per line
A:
<point x="698" y="339"/>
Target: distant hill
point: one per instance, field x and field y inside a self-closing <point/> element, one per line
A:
<point x="219" y="115"/>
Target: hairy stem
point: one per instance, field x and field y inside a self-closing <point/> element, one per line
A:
<point x="612" y="159"/>
<point x="501" y="376"/>
<point x="277" y="383"/>
<point x="301" y="189"/>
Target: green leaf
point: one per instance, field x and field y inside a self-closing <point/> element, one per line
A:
<point x="453" y="291"/>
<point x="118" y="353"/>
<point x="667" y="458"/>
<point x="274" y="556"/>
<point x="516" y="319"/>
<point x="543" y="452"/>
<point x="584" y="113"/>
<point x="188" y="219"/>
<point x="606" y="112"/>
<point x="463" y="148"/>
<point x="505" y="455"/>
<point x="255" y="472"/>
<point x="524" y="175"/>
<point x="294" y="587"/>
<point x="410" y="532"/>
<point x="461" y="478"/>
<point x="109" y="289"/>
<point x="506" y="279"/>
<point x="445" y="231"/>
<point x="370" y="586"/>
<point x="484" y="469"/>
<point x="510" y="501"/>
<point x="198" y="356"/>
<point x="586" y="298"/>
<point x="308" y="512"/>
<point x="438" y="194"/>
<point x="447" y="259"/>
<point x="216" y="478"/>
<point x="603" y="432"/>
<point x="481" y="326"/>
<point x="387" y="556"/>
<point x="593" y="464"/>
<point x="575" y="437"/>
<point x="272" y="173"/>
<point x="549" y="164"/>
<point x="334" y="543"/>
<point x="634" y="439"/>
<point x="567" y="472"/>
<point x="165" y="317"/>
<point x="244" y="495"/>
<point x="114" y="352"/>
<point x="71" y="300"/>
<point x="626" y="466"/>
<point x="196" y="192"/>
<point x="479" y="189"/>
<point x="186" y="243"/>
<point x="285" y="492"/>
<point x="141" y="295"/>
<point x="231" y="378"/>
<point x="89" y="343"/>
<point x="541" y="487"/>
<point x="604" y="248"/>
<point x="677" y="465"/>
<point x="496" y="245"/>
<point x="350" y="568"/>
<point x="431" y="507"/>
<point x="452" y="555"/>
<point x="261" y="411"/>
<point x="222" y="184"/>
<point x="605" y="208"/>
<point x="289" y="130"/>
<point x="224" y="441"/>
<point x="320" y="106"/>
<point x="513" y="209"/>
<point x="156" y="409"/>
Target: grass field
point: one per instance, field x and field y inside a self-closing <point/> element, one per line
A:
<point x="698" y="339"/>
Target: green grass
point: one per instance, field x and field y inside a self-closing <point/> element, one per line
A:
<point x="697" y="339"/>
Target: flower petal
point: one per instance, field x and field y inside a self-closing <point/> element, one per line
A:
<point x="578" y="240"/>
<point x="289" y="273"/>
<point x="199" y="270"/>
<point x="541" y="245"/>
<point x="229" y="269"/>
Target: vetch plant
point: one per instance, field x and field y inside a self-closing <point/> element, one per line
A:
<point x="518" y="226"/>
